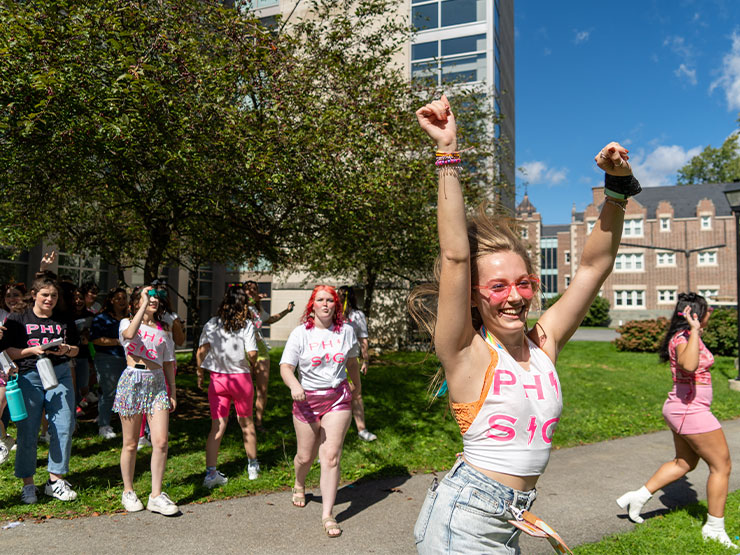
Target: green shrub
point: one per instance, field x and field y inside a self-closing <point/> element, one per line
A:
<point x="720" y="335"/>
<point x="641" y="335"/>
<point x="597" y="315"/>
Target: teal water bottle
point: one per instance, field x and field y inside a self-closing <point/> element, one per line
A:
<point x="14" y="396"/>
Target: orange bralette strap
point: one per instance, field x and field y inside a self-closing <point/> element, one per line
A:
<point x="465" y="413"/>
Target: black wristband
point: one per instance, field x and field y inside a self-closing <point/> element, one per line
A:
<point x="625" y="185"/>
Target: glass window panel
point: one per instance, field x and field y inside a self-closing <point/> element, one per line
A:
<point x="460" y="45"/>
<point x="265" y="3"/>
<point x="424" y="70"/>
<point x="425" y="16"/>
<point x="205" y="288"/>
<point x="424" y="50"/>
<point x="457" y="12"/>
<point x="464" y="70"/>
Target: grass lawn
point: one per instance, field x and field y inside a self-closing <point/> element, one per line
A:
<point x="606" y="394"/>
<point x="676" y="533"/>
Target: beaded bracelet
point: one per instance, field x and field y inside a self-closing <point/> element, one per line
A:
<point x="447" y="158"/>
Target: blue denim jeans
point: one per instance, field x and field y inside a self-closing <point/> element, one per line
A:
<point x="467" y="512"/>
<point x="109" y="368"/>
<point x="82" y="377"/>
<point x="59" y="404"/>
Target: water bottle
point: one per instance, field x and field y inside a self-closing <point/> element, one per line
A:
<point x="16" y="404"/>
<point x="46" y="373"/>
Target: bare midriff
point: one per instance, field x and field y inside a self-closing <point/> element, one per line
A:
<point x="131" y="360"/>
<point x="521" y="483"/>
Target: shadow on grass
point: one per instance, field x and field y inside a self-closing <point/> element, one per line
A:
<point x="677" y="495"/>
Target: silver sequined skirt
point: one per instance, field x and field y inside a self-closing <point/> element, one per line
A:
<point x="141" y="391"/>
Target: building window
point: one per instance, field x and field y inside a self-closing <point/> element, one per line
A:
<point x="666" y="259"/>
<point x="707" y="258"/>
<point x="83" y="269"/>
<point x="567" y="257"/>
<point x="665" y="224"/>
<point x="706" y="222"/>
<point x="632" y="262"/>
<point x="567" y="282"/>
<point x="13" y="265"/>
<point x="426" y="15"/>
<point x="525" y="233"/>
<point x="666" y="296"/>
<point x="258" y="4"/>
<point x="632" y="228"/>
<point x="590" y="226"/>
<point x="629" y="298"/>
<point x="459" y="59"/>
<point x="709" y="293"/>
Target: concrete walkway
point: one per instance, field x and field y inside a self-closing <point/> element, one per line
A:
<point x="576" y="497"/>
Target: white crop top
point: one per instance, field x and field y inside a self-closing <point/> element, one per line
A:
<point x="150" y="343"/>
<point x="516" y="415"/>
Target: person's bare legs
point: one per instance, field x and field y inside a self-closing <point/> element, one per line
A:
<point x="307" y="436"/>
<point x="262" y="378"/>
<point x="213" y="443"/>
<point x="334" y="426"/>
<point x="249" y="436"/>
<point x="159" y="425"/>
<point x="130" y="431"/>
<point x="684" y="462"/>
<point x="712" y="448"/>
<point x="358" y="412"/>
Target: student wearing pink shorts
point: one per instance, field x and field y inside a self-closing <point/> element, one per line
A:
<point x="324" y="350"/>
<point x="697" y="434"/>
<point x="228" y="350"/>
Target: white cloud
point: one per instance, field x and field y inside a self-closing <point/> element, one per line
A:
<point x="729" y="79"/>
<point x="547" y="51"/>
<point x="688" y="73"/>
<point x="659" y="167"/>
<point x="537" y="173"/>
<point x="581" y="36"/>
<point x="685" y="53"/>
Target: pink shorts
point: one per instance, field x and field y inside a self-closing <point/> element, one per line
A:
<point x="225" y="388"/>
<point x="687" y="410"/>
<point x="321" y="401"/>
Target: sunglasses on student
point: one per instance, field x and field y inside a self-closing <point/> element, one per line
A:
<point x="159" y="293"/>
<point x="499" y="290"/>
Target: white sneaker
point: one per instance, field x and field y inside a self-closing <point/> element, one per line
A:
<point x="9" y="443"/>
<point x="143" y="442"/>
<point x="130" y="502"/>
<point x="29" y="494"/>
<point x="91" y="397"/>
<point x="106" y="432"/>
<point x="214" y="479"/>
<point x="367" y="435"/>
<point x="162" y="504"/>
<point x="45" y="437"/>
<point x="4" y="453"/>
<point x="717" y="535"/>
<point x="253" y="470"/>
<point x="61" y="490"/>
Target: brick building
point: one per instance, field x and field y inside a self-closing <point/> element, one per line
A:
<point x="675" y="239"/>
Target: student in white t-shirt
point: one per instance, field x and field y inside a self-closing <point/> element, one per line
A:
<point x="324" y="350"/>
<point x="228" y="350"/>
<point x="356" y="318"/>
<point x="142" y="389"/>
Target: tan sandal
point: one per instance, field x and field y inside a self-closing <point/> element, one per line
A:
<point x="299" y="497"/>
<point x="333" y="526"/>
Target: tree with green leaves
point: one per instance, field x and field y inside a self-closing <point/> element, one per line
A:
<point x="378" y="216"/>
<point x="713" y="165"/>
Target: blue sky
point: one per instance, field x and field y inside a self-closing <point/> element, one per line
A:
<point x="662" y="77"/>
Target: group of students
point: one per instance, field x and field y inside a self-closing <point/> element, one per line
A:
<point x="134" y="342"/>
<point x="503" y="387"/>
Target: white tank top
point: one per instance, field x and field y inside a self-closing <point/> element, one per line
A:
<point x="512" y="432"/>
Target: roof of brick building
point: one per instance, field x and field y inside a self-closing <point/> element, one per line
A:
<point x="685" y="198"/>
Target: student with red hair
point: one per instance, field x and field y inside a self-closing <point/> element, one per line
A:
<point x="324" y="349"/>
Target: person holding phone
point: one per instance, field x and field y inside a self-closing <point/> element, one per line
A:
<point x="28" y="331"/>
<point x="142" y="389"/>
